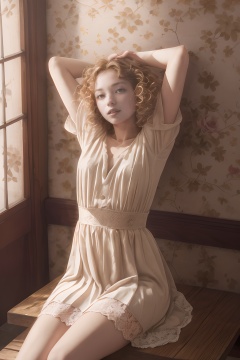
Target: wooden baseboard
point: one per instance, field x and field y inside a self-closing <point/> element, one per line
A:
<point x="192" y="229"/>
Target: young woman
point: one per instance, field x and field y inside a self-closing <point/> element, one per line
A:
<point x="117" y="288"/>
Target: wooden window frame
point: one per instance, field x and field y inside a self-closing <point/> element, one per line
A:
<point x="27" y="218"/>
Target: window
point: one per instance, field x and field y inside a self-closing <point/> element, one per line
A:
<point x="12" y="98"/>
<point x="23" y="150"/>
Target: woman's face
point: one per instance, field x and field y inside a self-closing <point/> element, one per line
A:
<point x="115" y="98"/>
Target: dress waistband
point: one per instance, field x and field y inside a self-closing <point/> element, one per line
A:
<point x="112" y="219"/>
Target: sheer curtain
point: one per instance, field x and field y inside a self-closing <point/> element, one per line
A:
<point x="11" y="105"/>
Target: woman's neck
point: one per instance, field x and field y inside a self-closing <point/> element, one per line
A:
<point x="123" y="133"/>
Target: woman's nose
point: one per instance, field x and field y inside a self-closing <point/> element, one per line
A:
<point x="110" y="100"/>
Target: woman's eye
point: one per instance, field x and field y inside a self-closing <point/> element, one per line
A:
<point x="100" y="96"/>
<point x="120" y="90"/>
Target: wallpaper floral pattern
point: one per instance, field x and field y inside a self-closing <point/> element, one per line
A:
<point x="202" y="175"/>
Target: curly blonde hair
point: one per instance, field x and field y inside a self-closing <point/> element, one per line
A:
<point x="145" y="83"/>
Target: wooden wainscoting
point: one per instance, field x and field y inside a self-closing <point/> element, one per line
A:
<point x="192" y="229"/>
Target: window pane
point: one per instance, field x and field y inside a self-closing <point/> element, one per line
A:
<point x="1" y="49"/>
<point x="2" y="178"/>
<point x="13" y="89"/>
<point x="2" y="98"/>
<point x="15" y="163"/>
<point x="11" y="26"/>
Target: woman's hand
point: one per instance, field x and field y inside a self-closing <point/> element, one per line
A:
<point x="125" y="54"/>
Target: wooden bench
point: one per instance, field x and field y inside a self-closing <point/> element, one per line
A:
<point x="10" y="351"/>
<point x="214" y="329"/>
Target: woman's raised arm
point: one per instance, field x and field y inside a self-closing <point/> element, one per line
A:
<point x="64" y="72"/>
<point x="175" y="63"/>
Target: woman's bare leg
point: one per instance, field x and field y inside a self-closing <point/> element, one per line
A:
<point x="91" y="337"/>
<point x="45" y="332"/>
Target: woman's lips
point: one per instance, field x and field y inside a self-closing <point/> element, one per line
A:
<point x="113" y="111"/>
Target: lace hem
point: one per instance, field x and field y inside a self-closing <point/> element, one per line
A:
<point x="170" y="329"/>
<point x="113" y="309"/>
<point x="177" y="317"/>
<point x="118" y="312"/>
<point x="65" y="312"/>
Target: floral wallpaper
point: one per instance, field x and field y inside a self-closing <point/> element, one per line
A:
<point x="202" y="175"/>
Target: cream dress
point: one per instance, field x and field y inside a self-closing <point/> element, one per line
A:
<point x="115" y="267"/>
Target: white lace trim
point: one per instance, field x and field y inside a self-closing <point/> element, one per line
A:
<point x="113" y="309"/>
<point x="170" y="330"/>
<point x="65" y="312"/>
<point x="119" y="313"/>
<point x="178" y="316"/>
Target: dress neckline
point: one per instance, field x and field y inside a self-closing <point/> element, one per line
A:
<point x="107" y="168"/>
<point x="118" y="148"/>
<point x="124" y="143"/>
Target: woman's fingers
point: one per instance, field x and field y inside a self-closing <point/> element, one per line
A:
<point x="112" y="56"/>
<point x="122" y="55"/>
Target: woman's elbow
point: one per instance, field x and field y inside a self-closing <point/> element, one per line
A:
<point x="52" y="63"/>
<point x="183" y="55"/>
<point x="55" y="63"/>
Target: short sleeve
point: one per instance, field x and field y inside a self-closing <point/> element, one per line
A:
<point x="86" y="133"/>
<point x="160" y="137"/>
